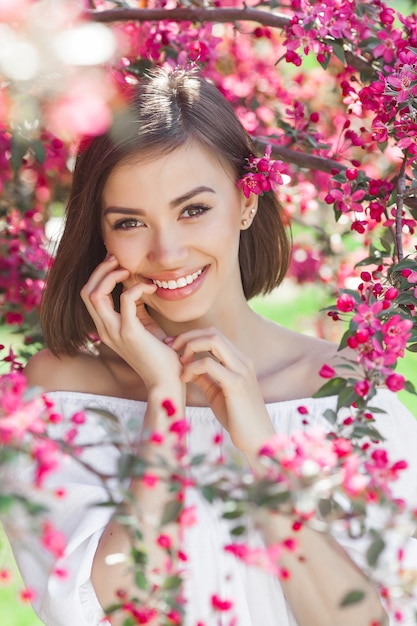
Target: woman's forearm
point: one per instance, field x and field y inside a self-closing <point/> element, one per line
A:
<point x="147" y="507"/>
<point x="320" y="575"/>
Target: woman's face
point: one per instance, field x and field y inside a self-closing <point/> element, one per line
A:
<point x="175" y="221"/>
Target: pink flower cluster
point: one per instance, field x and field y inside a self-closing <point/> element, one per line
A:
<point x="264" y="174"/>
<point x="306" y="458"/>
<point x="379" y="329"/>
<point x="23" y="262"/>
<point x="25" y="416"/>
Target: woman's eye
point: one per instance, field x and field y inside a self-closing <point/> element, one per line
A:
<point x="195" y="210"/>
<point x="127" y="224"/>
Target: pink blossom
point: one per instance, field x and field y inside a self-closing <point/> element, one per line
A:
<point x="412" y="277"/>
<point x="27" y="595"/>
<point x="46" y="454"/>
<point x="169" y="407"/>
<point x="395" y="382"/>
<point x="389" y="44"/>
<point x="402" y="84"/>
<point x="346" y="199"/>
<point x="180" y="428"/>
<point x="53" y="540"/>
<point x="165" y="541"/>
<point x="150" y="480"/>
<point x="219" y="604"/>
<point x="345" y="303"/>
<point x="5" y="576"/>
<point x="326" y="371"/>
<point x="362" y="388"/>
<point x="188" y="516"/>
<point x="264" y="174"/>
<point x="366" y="316"/>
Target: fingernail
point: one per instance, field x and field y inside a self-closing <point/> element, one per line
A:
<point x="169" y="340"/>
<point x="111" y="257"/>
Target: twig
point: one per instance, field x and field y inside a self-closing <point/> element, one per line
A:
<point x="399" y="212"/>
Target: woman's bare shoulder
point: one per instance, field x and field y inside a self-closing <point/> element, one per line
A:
<point x="295" y="360"/>
<point x="62" y="373"/>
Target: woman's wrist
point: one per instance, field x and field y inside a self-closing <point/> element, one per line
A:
<point x="168" y="396"/>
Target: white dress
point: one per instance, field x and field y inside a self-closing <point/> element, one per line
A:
<point x="257" y="596"/>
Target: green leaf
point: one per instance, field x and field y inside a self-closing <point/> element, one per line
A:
<point x="330" y="415"/>
<point x="273" y="501"/>
<point x="197" y="459"/>
<point x="343" y="342"/>
<point x="238" y="531"/>
<point x="129" y="464"/>
<point x="375" y="409"/>
<point x="338" y="51"/>
<point x="141" y="581"/>
<point x="346" y="397"/>
<point x="208" y="492"/>
<point x="38" y="150"/>
<point x="19" y="146"/>
<point x="412" y="347"/>
<point x="337" y="214"/>
<point x="331" y="388"/>
<point x="410" y="387"/>
<point x="139" y="556"/>
<point x="112" y="608"/>
<point x="6" y="502"/>
<point x="366" y="430"/>
<point x="325" y="62"/>
<point x="374" y="550"/>
<point x="353" y="597"/>
<point x="172" y="582"/>
<point x="171" y="512"/>
<point x="238" y="512"/>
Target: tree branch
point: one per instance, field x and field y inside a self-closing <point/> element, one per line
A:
<point x="191" y="14"/>
<point x="302" y="159"/>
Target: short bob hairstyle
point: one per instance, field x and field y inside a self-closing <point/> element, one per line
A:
<point x="166" y="111"/>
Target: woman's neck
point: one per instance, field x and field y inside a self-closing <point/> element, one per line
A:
<point x="236" y="323"/>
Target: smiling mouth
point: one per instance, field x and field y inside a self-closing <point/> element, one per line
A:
<point x="178" y="284"/>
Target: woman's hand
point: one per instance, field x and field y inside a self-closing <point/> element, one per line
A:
<point x="132" y="333"/>
<point x="228" y="380"/>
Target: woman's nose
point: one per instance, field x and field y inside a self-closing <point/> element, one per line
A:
<point x="167" y="248"/>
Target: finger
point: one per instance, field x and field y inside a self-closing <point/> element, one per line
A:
<point x="220" y="349"/>
<point x="96" y="293"/>
<point x="109" y="264"/>
<point x="178" y="343"/>
<point x="98" y="298"/>
<point x="207" y="366"/>
<point x="131" y="305"/>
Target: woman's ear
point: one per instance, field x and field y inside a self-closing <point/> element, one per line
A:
<point x="249" y="206"/>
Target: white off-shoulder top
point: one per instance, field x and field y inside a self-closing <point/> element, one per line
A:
<point x="258" y="597"/>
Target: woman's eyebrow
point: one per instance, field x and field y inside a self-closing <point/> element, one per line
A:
<point x="189" y="195"/>
<point x="122" y="211"/>
<point x="174" y="203"/>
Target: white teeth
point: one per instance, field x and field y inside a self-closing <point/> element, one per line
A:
<point x="177" y="284"/>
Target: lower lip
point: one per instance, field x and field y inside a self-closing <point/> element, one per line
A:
<point x="182" y="292"/>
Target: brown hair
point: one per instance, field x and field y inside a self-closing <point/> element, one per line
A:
<point x="165" y="112"/>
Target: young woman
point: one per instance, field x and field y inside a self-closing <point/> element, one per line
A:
<point x="166" y="250"/>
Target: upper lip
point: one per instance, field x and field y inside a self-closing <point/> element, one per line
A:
<point x="166" y="276"/>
